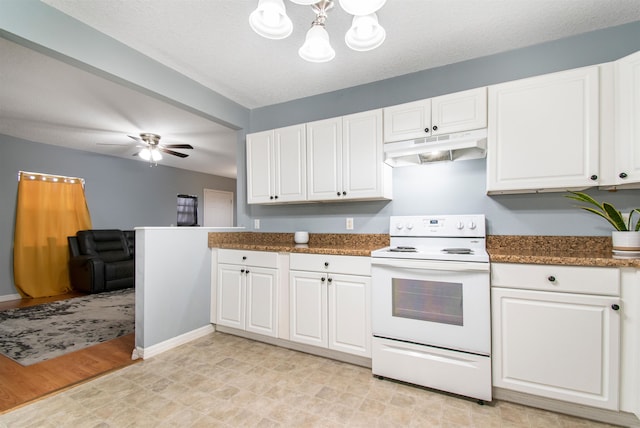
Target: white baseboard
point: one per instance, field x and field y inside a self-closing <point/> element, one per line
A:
<point x="8" y="297"/>
<point x="159" y="348"/>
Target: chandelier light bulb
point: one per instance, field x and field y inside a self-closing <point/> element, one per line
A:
<point x="361" y="7"/>
<point x="316" y="47"/>
<point x="365" y="33"/>
<point x="270" y="20"/>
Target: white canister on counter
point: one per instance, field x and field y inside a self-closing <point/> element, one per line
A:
<point x="301" y="237"/>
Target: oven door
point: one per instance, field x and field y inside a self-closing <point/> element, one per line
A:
<point x="443" y="304"/>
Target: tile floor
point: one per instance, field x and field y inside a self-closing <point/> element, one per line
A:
<point x="226" y="381"/>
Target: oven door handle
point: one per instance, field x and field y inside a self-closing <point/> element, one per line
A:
<point x="451" y="266"/>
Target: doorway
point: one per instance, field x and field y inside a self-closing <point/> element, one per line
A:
<point x="218" y="208"/>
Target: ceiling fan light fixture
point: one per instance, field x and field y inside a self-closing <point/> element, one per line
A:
<point x="151" y="155"/>
<point x="365" y="33"/>
<point x="305" y="2"/>
<point x="270" y="20"/>
<point x="145" y="154"/>
<point x="316" y="47"/>
<point x="361" y="7"/>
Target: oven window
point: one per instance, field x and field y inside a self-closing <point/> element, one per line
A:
<point x="434" y="301"/>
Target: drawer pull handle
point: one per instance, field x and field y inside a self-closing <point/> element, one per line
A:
<point x="615" y="307"/>
<point x="552" y="278"/>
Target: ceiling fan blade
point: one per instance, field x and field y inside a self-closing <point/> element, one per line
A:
<point x="138" y="139"/>
<point x="178" y="146"/>
<point x="171" y="152"/>
<point x="136" y="153"/>
<point x="112" y="144"/>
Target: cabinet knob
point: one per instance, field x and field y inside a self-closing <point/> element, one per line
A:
<point x="326" y="264"/>
<point x="275" y="197"/>
<point x="270" y="197"/>
<point x="344" y="193"/>
<point x="244" y="257"/>
<point x="247" y="272"/>
<point x="338" y="193"/>
<point x="594" y="177"/>
<point x="330" y="279"/>
<point x="615" y="307"/>
<point x="551" y="278"/>
<point x="241" y="270"/>
<point x="426" y="130"/>
<point x="434" y="127"/>
<point x="322" y="279"/>
<point x="622" y="175"/>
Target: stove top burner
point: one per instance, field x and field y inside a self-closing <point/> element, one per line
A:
<point x="403" y="250"/>
<point x="457" y="251"/>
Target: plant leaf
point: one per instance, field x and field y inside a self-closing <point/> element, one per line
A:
<point x="583" y="197"/>
<point x="614" y="216"/>
<point x="637" y="226"/>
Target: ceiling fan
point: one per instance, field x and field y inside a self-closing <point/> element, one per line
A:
<point x="151" y="147"/>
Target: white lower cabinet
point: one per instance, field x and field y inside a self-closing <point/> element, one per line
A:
<point x="552" y="339"/>
<point x="247" y="291"/>
<point x="329" y="309"/>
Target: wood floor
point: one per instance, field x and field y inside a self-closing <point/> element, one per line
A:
<point x="20" y="385"/>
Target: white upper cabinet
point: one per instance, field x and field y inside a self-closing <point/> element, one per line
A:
<point x="627" y="139"/>
<point x="407" y="121"/>
<point x="461" y="111"/>
<point x="345" y="159"/>
<point x="543" y="133"/>
<point x="324" y="159"/>
<point x="276" y="166"/>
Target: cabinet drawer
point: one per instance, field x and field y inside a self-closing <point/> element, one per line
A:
<point x="349" y="265"/>
<point x="250" y="258"/>
<point x="565" y="279"/>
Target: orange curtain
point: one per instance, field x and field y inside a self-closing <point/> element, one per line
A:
<point x="49" y="209"/>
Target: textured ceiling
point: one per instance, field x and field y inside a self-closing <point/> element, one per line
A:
<point x="210" y="41"/>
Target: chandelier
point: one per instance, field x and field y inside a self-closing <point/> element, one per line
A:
<point x="270" y="20"/>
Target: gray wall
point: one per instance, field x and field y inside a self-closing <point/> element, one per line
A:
<point x="121" y="193"/>
<point x="457" y="187"/>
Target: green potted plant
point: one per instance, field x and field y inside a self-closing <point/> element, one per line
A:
<point x="626" y="236"/>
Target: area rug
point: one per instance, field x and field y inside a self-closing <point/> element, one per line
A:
<point x="33" y="334"/>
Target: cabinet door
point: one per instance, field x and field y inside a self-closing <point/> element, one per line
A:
<point x="557" y="345"/>
<point x="543" y="133"/>
<point x="350" y="314"/>
<point x="407" y="121"/>
<point x="462" y="111"/>
<point x="290" y="164"/>
<point x="308" y="302"/>
<point x="324" y="159"/>
<point x="627" y="170"/>
<point x="231" y="306"/>
<point x="262" y="301"/>
<point x="362" y="156"/>
<point x="260" y="173"/>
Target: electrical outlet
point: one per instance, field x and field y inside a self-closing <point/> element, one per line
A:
<point x="349" y="223"/>
<point x="256" y="223"/>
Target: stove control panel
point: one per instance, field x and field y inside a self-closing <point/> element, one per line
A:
<point x="438" y="225"/>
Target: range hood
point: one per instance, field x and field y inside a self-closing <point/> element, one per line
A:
<point x="458" y="146"/>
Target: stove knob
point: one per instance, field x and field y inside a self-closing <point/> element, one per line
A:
<point x="399" y="226"/>
<point x="472" y="225"/>
<point x="460" y="225"/>
<point x="410" y="226"/>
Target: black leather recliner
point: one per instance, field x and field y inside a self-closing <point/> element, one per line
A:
<point x="101" y="260"/>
